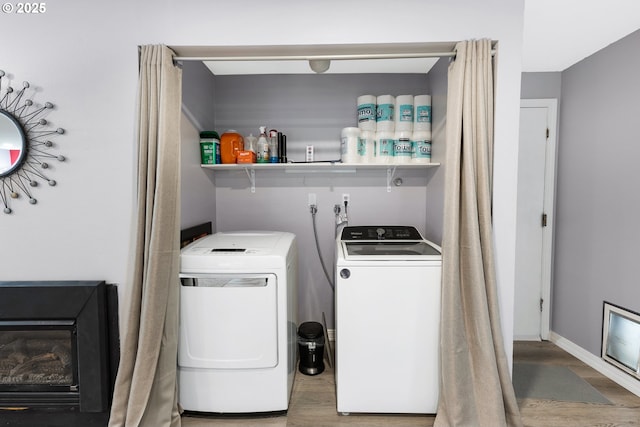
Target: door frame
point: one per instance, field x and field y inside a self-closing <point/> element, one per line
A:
<point x="551" y="104"/>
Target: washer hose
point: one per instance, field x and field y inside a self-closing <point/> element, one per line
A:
<point x="314" y="210"/>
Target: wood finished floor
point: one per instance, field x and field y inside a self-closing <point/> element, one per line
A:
<point x="313" y="403"/>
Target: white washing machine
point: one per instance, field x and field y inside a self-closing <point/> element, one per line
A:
<point x="238" y="311"/>
<point x="387" y="298"/>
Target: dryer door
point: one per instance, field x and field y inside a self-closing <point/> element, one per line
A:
<point x="228" y="321"/>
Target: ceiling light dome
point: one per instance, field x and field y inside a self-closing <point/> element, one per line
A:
<point x="319" y="65"/>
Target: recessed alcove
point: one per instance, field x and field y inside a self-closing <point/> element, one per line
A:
<point x="243" y="87"/>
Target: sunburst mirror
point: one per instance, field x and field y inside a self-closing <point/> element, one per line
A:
<point x="25" y="145"/>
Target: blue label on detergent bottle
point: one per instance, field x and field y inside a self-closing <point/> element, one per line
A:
<point x="362" y="146"/>
<point x="366" y="113"/>
<point x="385" y="147"/>
<point x="421" y="149"/>
<point x="423" y="114"/>
<point x="406" y="113"/>
<point x="384" y="112"/>
<point x="402" y="147"/>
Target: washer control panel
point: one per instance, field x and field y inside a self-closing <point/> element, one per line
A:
<point x="394" y="232"/>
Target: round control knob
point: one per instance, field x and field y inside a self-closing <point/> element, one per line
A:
<point x="345" y="273"/>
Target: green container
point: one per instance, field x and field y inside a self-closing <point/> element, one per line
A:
<point x="209" y="148"/>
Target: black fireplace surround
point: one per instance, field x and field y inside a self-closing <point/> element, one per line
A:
<point x="58" y="352"/>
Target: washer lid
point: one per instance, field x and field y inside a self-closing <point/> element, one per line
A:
<point x="395" y="248"/>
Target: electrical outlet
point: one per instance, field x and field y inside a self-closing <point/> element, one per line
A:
<point x="312" y="199"/>
<point x="345" y="198"/>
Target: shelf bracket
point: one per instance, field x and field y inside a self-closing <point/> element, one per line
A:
<point x="390" y="173"/>
<point x="251" y="174"/>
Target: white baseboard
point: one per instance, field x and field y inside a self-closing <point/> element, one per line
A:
<point x="597" y="363"/>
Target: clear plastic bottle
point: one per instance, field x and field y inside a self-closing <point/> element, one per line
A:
<point x="273" y="146"/>
<point x="251" y="143"/>
<point x="263" y="146"/>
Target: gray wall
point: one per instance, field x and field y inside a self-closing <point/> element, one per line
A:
<point x="198" y="90"/>
<point x="598" y="202"/>
<point x="311" y="109"/>
<point x="438" y="77"/>
<point x="197" y="200"/>
<point x="541" y="85"/>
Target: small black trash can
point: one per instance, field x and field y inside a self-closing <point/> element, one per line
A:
<point x="311" y="348"/>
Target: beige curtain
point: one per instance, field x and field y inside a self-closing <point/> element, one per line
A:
<point x="146" y="388"/>
<point x="475" y="384"/>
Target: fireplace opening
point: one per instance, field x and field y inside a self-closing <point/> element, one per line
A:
<point x="58" y="352"/>
<point x="38" y="356"/>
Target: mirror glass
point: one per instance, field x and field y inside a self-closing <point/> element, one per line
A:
<point x="13" y="147"/>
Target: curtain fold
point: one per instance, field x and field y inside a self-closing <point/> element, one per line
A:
<point x="475" y="383"/>
<point x="146" y="386"/>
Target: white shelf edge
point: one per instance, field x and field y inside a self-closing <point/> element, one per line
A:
<point x="318" y="166"/>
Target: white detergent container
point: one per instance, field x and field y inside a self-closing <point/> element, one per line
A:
<point x="404" y="113"/>
<point x="402" y="146"/>
<point x="385" y="113"/>
<point x="384" y="147"/>
<point x="367" y="112"/>
<point x="237" y="348"/>
<point x="421" y="146"/>
<point x="367" y="147"/>
<point x="349" y="145"/>
<point x="422" y="113"/>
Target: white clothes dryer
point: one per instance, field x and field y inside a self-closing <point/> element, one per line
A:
<point x="387" y="298"/>
<point x="238" y="312"/>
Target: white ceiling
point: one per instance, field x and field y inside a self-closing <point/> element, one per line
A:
<point x="560" y="33"/>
